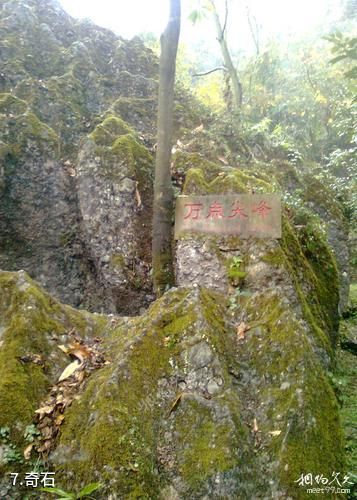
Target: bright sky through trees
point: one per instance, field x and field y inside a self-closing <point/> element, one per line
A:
<point x="130" y="17"/>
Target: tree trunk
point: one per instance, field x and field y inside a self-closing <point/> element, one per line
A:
<point x="163" y="275"/>
<point x="221" y="37"/>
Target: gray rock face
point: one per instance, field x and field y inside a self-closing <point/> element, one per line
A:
<point x="38" y="197"/>
<point x="79" y="229"/>
<point x="115" y="220"/>
<point x="196" y="265"/>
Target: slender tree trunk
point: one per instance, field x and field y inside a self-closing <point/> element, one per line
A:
<point x="163" y="275"/>
<point x="221" y="37"/>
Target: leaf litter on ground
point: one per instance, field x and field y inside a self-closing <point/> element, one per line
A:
<point x="86" y="357"/>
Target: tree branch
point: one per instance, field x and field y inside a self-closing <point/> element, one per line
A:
<point x="254" y="30"/>
<point x="220" y="68"/>
<point x="225" y="18"/>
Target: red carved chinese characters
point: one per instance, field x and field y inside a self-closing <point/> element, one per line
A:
<point x="194" y="210"/>
<point x="237" y="211"/>
<point x="262" y="209"/>
<point x="215" y="211"/>
<point x="256" y="215"/>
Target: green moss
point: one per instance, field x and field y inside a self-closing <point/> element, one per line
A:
<point x="235" y="270"/>
<point x="112" y="432"/>
<point x="315" y="278"/>
<point x="127" y="158"/>
<point x="29" y="320"/>
<point x="353" y="295"/>
<point x="121" y="440"/>
<point x="120" y="413"/>
<point x="134" y="108"/>
<point x="106" y="132"/>
<point x="195" y="182"/>
<point x="317" y="193"/>
<point x="304" y="410"/>
<point x="117" y="260"/>
<point x="345" y="380"/>
<point x="228" y="181"/>
<point x="11" y="105"/>
<point x="60" y="102"/>
<point x="320" y="304"/>
<point x="205" y="444"/>
<point x="127" y="148"/>
<point x="183" y="161"/>
<point x="26" y="328"/>
<point x="26" y="128"/>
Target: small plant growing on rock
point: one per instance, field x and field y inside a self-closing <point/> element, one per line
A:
<point x="10" y="454"/>
<point x="4" y="433"/>
<point x="235" y="272"/>
<point x="31" y="433"/>
<point x="66" y="495"/>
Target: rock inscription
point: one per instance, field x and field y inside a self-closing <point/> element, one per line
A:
<point x="257" y="215"/>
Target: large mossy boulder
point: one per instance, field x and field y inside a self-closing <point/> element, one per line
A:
<point x="32" y="326"/>
<point x="220" y="389"/>
<point x="58" y="77"/>
<point x="308" y="279"/>
<point x="189" y="406"/>
<point x="78" y="127"/>
<point x="115" y="189"/>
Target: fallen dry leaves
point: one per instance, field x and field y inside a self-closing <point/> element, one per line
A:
<point x="86" y="357"/>
<point x="28" y="450"/>
<point x="69" y="370"/>
<point x="255" y="425"/>
<point x="32" y="358"/>
<point x="241" y="330"/>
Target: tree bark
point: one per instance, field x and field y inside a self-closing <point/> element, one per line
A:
<point x="162" y="261"/>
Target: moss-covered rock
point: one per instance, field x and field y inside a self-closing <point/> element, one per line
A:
<point x="185" y="406"/>
<point x="140" y="112"/>
<point x="344" y="380"/>
<point x="288" y="302"/>
<point x="298" y="412"/>
<point x="201" y="399"/>
<point x="21" y="129"/>
<point x="32" y="325"/>
<point x="167" y="402"/>
<point x="114" y="185"/>
<point x="64" y="79"/>
<point x="105" y="133"/>
<point x="209" y="178"/>
<point x="314" y="209"/>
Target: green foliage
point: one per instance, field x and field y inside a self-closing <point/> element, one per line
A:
<point x="4" y="433"/>
<point x="200" y="11"/>
<point x="65" y="495"/>
<point x="10" y="453"/>
<point x="344" y="47"/>
<point x="235" y="272"/>
<point x="31" y="433"/>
